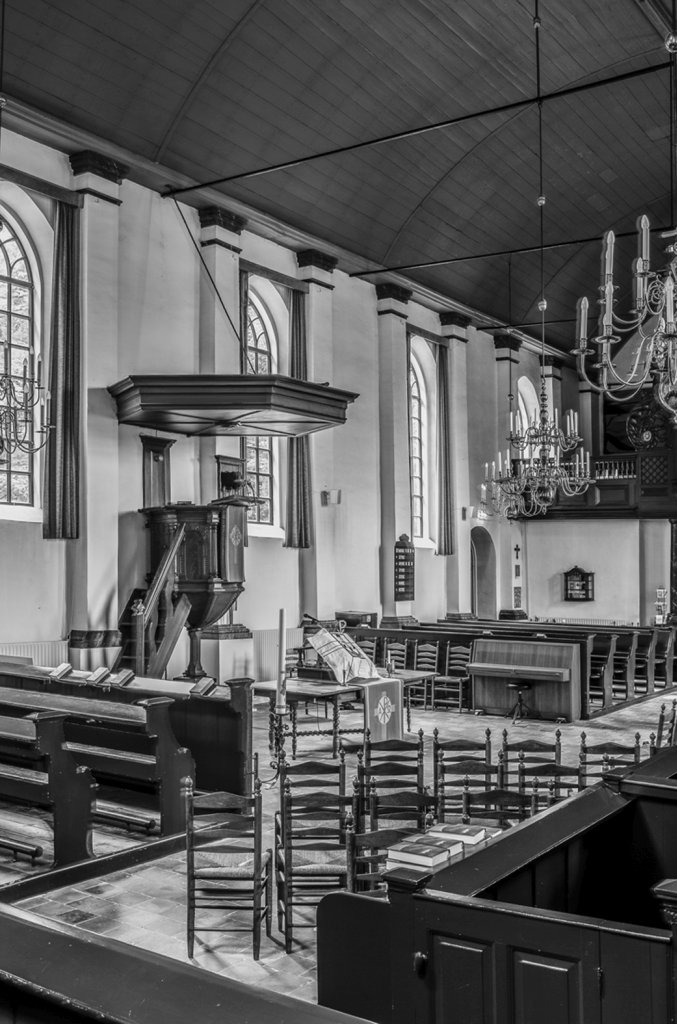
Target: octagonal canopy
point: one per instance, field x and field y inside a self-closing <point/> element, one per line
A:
<point x="218" y="405"/>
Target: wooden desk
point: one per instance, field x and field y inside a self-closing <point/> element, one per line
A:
<point x="300" y="690"/>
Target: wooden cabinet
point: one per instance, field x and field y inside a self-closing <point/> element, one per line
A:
<point x="579" y="585"/>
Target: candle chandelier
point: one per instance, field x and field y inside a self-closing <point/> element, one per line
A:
<point x="20" y="397"/>
<point x="527" y="484"/>
<point x="641" y="348"/>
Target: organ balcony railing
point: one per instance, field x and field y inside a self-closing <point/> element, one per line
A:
<point x="629" y="484"/>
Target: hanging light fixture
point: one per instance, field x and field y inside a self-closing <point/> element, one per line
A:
<point x="648" y="330"/>
<point x="528" y="484"/>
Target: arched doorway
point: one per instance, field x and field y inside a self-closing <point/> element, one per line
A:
<point x="483" y="573"/>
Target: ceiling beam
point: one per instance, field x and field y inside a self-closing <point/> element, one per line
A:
<point x="503" y="108"/>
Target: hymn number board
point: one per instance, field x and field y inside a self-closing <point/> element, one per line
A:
<point x="404" y="569"/>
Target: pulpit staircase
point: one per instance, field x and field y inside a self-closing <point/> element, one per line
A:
<point x="152" y="621"/>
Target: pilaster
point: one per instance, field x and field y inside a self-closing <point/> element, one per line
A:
<point x="454" y="328"/>
<point x="506" y="347"/>
<point x="553" y="385"/>
<point x="317" y="575"/>
<point x="219" y="346"/>
<point x="93" y="559"/>
<point x="392" y="306"/>
<point x="590" y="419"/>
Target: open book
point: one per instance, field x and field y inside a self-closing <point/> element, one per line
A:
<point x="343" y="656"/>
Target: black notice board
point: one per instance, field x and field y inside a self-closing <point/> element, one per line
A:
<point x="404" y="569"/>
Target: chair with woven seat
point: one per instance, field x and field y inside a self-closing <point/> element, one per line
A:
<point x="310" y="855"/>
<point x="426" y="659"/>
<point x="389" y="765"/>
<point x="455" y="750"/>
<point x="451" y="689"/>
<point x="226" y="866"/>
<point x="454" y="777"/>
<point x="366" y="856"/>
<point x="599" y="758"/>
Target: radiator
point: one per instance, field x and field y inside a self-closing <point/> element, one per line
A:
<point x="265" y="650"/>
<point x="592" y="622"/>
<point x="42" y="652"/>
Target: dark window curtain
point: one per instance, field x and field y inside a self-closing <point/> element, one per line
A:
<point x="244" y="306"/>
<point x="299" y="524"/>
<point x="61" y="499"/>
<point x="444" y="494"/>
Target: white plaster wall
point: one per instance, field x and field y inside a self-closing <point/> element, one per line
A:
<point x="32" y="595"/>
<point x="654" y="555"/>
<point x="159" y="285"/>
<point x="608" y="547"/>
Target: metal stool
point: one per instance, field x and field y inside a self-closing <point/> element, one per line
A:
<point x="520" y="708"/>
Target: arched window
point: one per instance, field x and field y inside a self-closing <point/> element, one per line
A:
<point x="259" y="451"/>
<point x="17" y="357"/>
<point x="417" y="454"/>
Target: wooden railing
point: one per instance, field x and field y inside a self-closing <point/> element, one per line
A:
<point x="156" y="622"/>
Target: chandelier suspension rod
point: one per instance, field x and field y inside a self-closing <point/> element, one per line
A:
<point x="503" y="108"/>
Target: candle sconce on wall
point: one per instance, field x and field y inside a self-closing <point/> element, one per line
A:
<point x="328" y="497"/>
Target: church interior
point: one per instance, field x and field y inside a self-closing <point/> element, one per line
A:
<point x="338" y="477"/>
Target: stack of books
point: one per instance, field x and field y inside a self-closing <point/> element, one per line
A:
<point x="469" y="835"/>
<point x="439" y="845"/>
<point x="424" y="851"/>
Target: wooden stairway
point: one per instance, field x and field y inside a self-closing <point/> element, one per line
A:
<point x="151" y="622"/>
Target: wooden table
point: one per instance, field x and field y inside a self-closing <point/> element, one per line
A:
<point x="300" y="690"/>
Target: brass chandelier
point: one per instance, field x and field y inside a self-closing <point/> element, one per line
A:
<point x="638" y="349"/>
<point x="527" y="484"/>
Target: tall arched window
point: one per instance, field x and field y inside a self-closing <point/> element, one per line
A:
<point x="417" y="474"/>
<point x="17" y="354"/>
<point x="258" y="451"/>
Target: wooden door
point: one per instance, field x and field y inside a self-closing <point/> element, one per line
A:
<point x="485" y="966"/>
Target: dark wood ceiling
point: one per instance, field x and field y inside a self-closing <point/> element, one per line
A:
<point x="215" y="89"/>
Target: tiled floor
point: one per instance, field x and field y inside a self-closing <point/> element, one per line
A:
<point x="146" y="907"/>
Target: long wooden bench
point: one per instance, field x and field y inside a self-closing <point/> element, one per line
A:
<point x="36" y="768"/>
<point x="213" y="720"/>
<point x="131" y="746"/>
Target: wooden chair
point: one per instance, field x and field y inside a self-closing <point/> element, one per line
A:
<point x="503" y="807"/>
<point x="451" y="689"/>
<point x="426" y="658"/>
<point x="226" y="866"/>
<point x="529" y="752"/>
<point x="599" y="758"/>
<point x="328" y="777"/>
<point x="389" y="765"/>
<point x="665" y="730"/>
<point x="455" y="775"/>
<point x="459" y="750"/>
<point x="396" y="652"/>
<point x="310" y="854"/>
<point x="399" y="805"/>
<point x="366" y="855"/>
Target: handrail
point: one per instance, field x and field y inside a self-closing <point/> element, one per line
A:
<point x="161" y="574"/>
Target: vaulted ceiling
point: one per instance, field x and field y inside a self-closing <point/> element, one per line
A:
<point x="215" y="89"/>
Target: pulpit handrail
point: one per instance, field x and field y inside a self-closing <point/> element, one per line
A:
<point x="161" y="574"/>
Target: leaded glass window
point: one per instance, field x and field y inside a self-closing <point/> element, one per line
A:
<point x="416" y="450"/>
<point x="17" y="355"/>
<point x="258" y="451"/>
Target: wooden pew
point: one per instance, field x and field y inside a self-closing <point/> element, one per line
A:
<point x="131" y="746"/>
<point x="36" y="768"/>
<point x="214" y="721"/>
